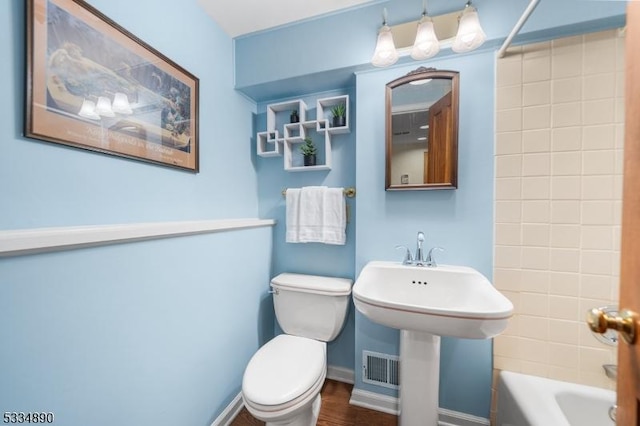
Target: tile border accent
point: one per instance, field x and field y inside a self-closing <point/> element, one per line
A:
<point x="40" y="240"/>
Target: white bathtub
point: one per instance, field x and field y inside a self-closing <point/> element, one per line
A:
<point x="535" y="401"/>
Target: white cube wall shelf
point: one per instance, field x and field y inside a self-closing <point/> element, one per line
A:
<point x="285" y="137"/>
<point x="292" y="159"/>
<point x="323" y="112"/>
<point x="278" y="114"/>
<point x="294" y="131"/>
<point x="268" y="147"/>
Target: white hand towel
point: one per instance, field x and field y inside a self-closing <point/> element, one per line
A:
<point x="293" y="214"/>
<point x="334" y="216"/>
<point x="310" y="216"/>
<point x="316" y="214"/>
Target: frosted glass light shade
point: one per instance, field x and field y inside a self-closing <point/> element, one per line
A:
<point x="88" y="110"/>
<point x="385" y="53"/>
<point x="103" y="107"/>
<point x="121" y="104"/>
<point x="426" y="44"/>
<point x="470" y="35"/>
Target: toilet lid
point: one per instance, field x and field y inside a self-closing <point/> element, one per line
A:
<point x="313" y="284"/>
<point x="283" y="369"/>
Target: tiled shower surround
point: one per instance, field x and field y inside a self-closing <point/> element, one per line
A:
<point x="558" y="168"/>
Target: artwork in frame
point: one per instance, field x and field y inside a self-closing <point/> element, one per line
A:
<point x="91" y="84"/>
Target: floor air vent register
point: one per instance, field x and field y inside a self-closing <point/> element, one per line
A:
<point x="380" y="369"/>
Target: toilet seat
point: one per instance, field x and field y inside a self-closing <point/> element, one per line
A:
<point x="284" y="374"/>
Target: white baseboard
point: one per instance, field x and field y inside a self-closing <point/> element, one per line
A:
<point x="456" y="418"/>
<point x="391" y="405"/>
<point x="230" y="412"/>
<point x="341" y="374"/>
<point x="375" y="401"/>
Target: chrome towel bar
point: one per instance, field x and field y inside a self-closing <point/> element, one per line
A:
<point x="348" y="192"/>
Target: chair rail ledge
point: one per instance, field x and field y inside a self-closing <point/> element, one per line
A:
<point x="40" y="240"/>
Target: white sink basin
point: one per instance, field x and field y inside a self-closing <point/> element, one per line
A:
<point x="445" y="300"/>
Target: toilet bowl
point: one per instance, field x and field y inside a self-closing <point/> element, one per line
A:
<point x="282" y="382"/>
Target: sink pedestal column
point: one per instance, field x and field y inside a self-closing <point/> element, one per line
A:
<point x="419" y="378"/>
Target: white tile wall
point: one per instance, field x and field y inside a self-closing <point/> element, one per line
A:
<point x="559" y="140"/>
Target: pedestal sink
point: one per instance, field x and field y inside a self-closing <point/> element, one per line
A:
<point x="426" y="303"/>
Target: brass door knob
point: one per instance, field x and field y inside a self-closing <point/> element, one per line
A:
<point x="625" y="323"/>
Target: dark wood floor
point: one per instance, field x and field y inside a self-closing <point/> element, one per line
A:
<point x="335" y="410"/>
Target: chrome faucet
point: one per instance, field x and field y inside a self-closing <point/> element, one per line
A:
<point x="430" y="261"/>
<point x="419" y="259"/>
<point x="408" y="260"/>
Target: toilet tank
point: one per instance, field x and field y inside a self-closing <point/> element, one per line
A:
<point x="311" y="306"/>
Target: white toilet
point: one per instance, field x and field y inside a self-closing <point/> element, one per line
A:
<point x="282" y="382"/>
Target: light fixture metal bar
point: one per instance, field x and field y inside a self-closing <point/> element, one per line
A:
<point x="445" y="25"/>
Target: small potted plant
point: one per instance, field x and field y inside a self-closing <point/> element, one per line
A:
<point x="294" y="117"/>
<point x="309" y="151"/>
<point x="339" y="115"/>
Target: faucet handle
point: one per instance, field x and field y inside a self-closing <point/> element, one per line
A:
<point x="430" y="260"/>
<point x="407" y="255"/>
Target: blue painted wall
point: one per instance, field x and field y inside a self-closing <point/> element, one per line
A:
<point x="312" y="258"/>
<point x="460" y="220"/>
<point x="53" y="186"/>
<point x="142" y="333"/>
<point x="154" y="332"/>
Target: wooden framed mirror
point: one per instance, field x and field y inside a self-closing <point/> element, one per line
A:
<point x="422" y="131"/>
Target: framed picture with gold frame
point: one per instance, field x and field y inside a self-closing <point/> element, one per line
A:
<point x="91" y="84"/>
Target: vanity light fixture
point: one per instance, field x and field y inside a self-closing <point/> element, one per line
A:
<point x="470" y="35"/>
<point x="426" y="44"/>
<point x="385" y="53"/>
<point x="460" y="29"/>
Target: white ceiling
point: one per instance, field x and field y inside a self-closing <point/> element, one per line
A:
<point x="240" y="17"/>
